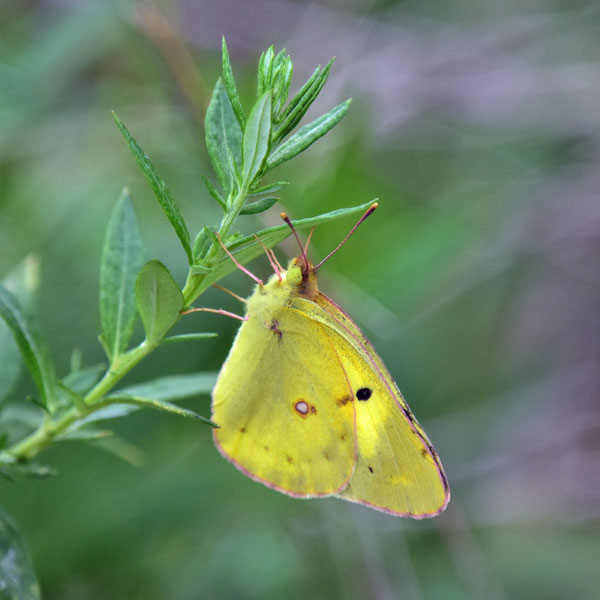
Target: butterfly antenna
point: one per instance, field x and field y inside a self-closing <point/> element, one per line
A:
<point x="233" y="294"/>
<point x="308" y="240"/>
<point x="272" y="259"/>
<point x="366" y="214"/>
<point x="236" y="263"/>
<point x="272" y="253"/>
<point x="287" y="220"/>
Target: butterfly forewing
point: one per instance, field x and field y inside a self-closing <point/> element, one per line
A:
<point x="397" y="468"/>
<point x="283" y="405"/>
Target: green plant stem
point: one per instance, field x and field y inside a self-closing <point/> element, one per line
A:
<point x="51" y="429"/>
<point x="194" y="284"/>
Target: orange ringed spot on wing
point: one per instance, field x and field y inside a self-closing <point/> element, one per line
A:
<point x="301" y="407"/>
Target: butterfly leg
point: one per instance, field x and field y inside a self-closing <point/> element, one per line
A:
<point x="218" y="311"/>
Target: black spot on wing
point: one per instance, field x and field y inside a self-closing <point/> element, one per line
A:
<point x="364" y="393"/>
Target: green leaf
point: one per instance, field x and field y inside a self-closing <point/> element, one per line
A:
<point x="24" y="282"/>
<point x="301" y="93"/>
<point x="282" y="79"/>
<point x="307" y="135"/>
<point x="259" y="206"/>
<point x="142" y="402"/>
<point x="188" y="337"/>
<point x="297" y="108"/>
<point x="160" y="189"/>
<point x="223" y="136"/>
<point x="204" y="240"/>
<point x="212" y="190"/>
<point x="247" y="248"/>
<point x="122" y="257"/>
<point x="85" y="434"/>
<point x="268" y="189"/>
<point x="231" y="88"/>
<point x="31" y="345"/>
<point x="163" y="389"/>
<point x="83" y="380"/>
<point x="170" y="388"/>
<point x="200" y="269"/>
<point x="256" y="139"/>
<point x="159" y="300"/>
<point x="10" y="360"/>
<point x="265" y="71"/>
<point x="68" y="398"/>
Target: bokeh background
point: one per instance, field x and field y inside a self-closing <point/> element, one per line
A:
<point x="477" y="125"/>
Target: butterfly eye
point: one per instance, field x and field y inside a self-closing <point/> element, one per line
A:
<point x="294" y="276"/>
<point x="364" y="393"/>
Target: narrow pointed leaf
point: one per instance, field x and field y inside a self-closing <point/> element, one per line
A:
<point x="212" y="190"/>
<point x="10" y="361"/>
<point x="163" y="389"/>
<point x="259" y="206"/>
<point x="271" y="188"/>
<point x="307" y="135"/>
<point x="160" y="189"/>
<point x="200" y="269"/>
<point x="300" y="94"/>
<point x="122" y="258"/>
<point x="31" y="345"/>
<point x="23" y="281"/>
<point x="300" y="104"/>
<point x="282" y="84"/>
<point x="256" y="139"/>
<point x="265" y="71"/>
<point x="188" y="337"/>
<point x="247" y="248"/>
<point x="170" y="388"/>
<point x="231" y="87"/>
<point x="202" y="243"/>
<point x="87" y="434"/>
<point x="83" y="380"/>
<point x="68" y="397"/>
<point x="142" y="402"/>
<point x="223" y="136"/>
<point x="159" y="300"/>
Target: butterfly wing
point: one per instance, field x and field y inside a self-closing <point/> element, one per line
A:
<point x="397" y="469"/>
<point x="282" y="402"/>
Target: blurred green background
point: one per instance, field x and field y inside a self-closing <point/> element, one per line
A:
<point x="477" y="125"/>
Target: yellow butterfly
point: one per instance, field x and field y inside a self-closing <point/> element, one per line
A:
<point x="306" y="406"/>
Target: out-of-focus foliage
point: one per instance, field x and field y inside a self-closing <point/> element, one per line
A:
<point x="477" y="280"/>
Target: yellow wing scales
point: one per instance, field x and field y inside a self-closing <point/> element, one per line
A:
<point x="306" y="406"/>
<point x="397" y="470"/>
<point x="282" y="421"/>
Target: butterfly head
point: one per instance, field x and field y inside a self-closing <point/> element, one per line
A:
<point x="302" y="277"/>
